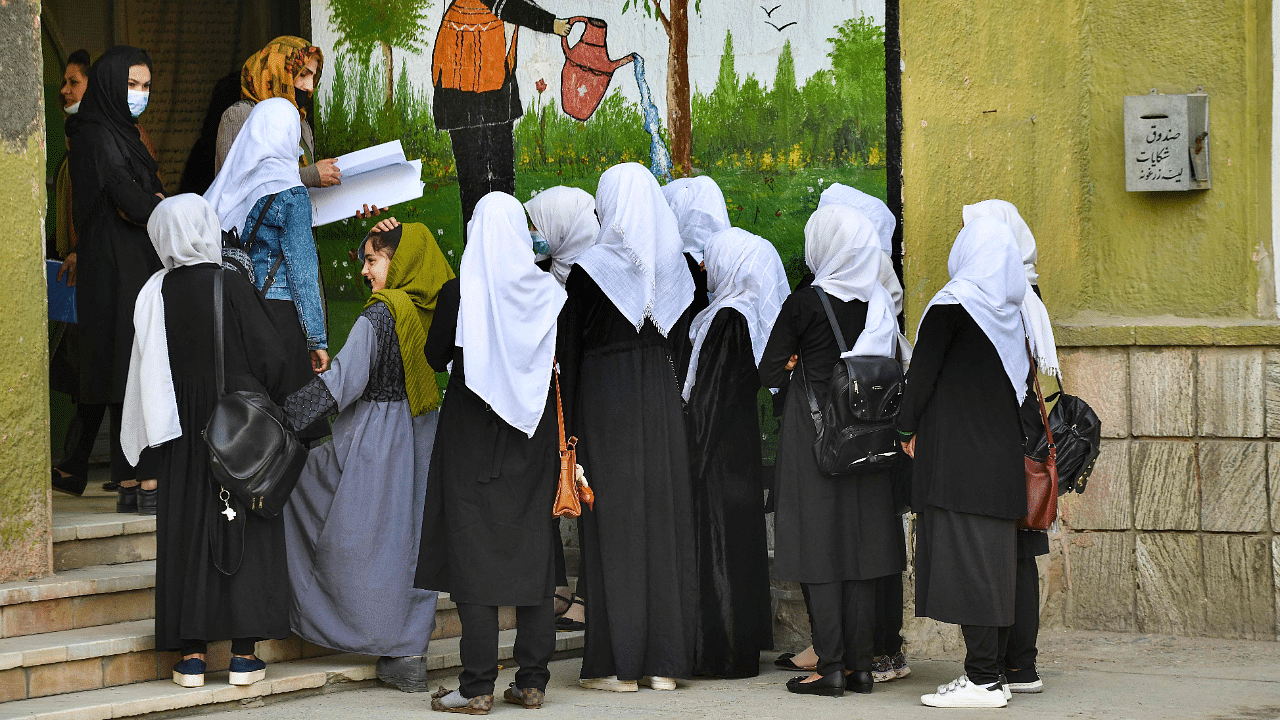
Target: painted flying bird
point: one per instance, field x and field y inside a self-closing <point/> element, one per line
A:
<point x="770" y="12"/>
<point x="779" y="29"/>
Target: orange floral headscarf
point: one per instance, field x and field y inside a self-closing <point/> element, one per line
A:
<point x="270" y="72"/>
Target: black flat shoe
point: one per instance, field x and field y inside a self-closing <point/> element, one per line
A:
<point x="564" y="624"/>
<point x="148" y="501"/>
<point x="831" y="685"/>
<point x="860" y="681"/>
<point x="110" y="486"/>
<point x="784" y="661"/>
<point x="127" y="500"/>
<point x="69" y="484"/>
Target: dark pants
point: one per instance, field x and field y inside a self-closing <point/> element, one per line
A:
<point x="887" y="639"/>
<point x="843" y="615"/>
<point x="239" y="646"/>
<point x="485" y="156"/>
<point x="557" y="555"/>
<point x="535" y="644"/>
<point x="121" y="470"/>
<point x="77" y="445"/>
<point x="984" y="646"/>
<point x="1021" y="651"/>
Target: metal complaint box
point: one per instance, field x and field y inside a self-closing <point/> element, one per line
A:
<point x="1166" y="142"/>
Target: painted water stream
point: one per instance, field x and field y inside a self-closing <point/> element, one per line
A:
<point x="659" y="157"/>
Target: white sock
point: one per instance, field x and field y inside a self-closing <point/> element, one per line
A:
<point x="454" y="700"/>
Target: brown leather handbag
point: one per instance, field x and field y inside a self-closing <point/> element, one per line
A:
<point x="1042" y="475"/>
<point x="573" y="491"/>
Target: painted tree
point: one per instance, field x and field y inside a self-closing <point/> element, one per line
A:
<point x="364" y="25"/>
<point x="675" y="21"/>
<point x="857" y="64"/>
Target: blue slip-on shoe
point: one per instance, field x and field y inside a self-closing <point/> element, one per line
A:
<point x="246" y="671"/>
<point x="189" y="673"/>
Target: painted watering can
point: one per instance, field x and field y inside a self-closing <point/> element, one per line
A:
<point x="587" y="69"/>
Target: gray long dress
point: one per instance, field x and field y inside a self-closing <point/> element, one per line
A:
<point x="354" y="521"/>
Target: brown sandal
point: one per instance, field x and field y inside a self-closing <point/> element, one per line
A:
<point x="528" y="698"/>
<point x="478" y="705"/>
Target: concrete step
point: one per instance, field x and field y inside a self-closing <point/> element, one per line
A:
<point x="79" y="598"/>
<point x="293" y="677"/>
<point x="85" y="534"/>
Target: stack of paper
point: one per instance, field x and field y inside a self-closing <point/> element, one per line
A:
<point x="375" y="175"/>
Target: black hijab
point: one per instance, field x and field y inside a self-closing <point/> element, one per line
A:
<point x="106" y="105"/>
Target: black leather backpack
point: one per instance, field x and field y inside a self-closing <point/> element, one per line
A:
<point x="855" y="433"/>
<point x="252" y="453"/>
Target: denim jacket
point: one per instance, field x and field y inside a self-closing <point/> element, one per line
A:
<point x="287" y="228"/>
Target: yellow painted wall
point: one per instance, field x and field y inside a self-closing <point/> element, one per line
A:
<point x="1023" y="101"/>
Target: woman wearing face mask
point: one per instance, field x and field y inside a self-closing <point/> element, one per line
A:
<point x="260" y="194"/>
<point x="114" y="190"/>
<point x="352" y="579"/>
<point x="288" y="67"/>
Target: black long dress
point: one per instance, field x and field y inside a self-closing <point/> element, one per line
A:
<point x="968" y="486"/>
<point x="486" y="530"/>
<point x="826" y="529"/>
<point x="196" y="600"/>
<point x="638" y="548"/>
<point x="734" y="619"/>
<point x="114" y="195"/>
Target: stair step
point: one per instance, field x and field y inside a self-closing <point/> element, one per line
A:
<point x="82" y="539"/>
<point x="282" y="679"/>
<point x="79" y="598"/>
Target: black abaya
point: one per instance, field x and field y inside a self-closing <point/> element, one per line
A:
<point x="486" y="530"/>
<point x="734" y="617"/>
<point x="826" y="529"/>
<point x="215" y="579"/>
<point x="638" y="548"/>
<point x="114" y="185"/>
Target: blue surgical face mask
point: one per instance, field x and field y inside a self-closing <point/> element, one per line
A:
<point x="73" y="108"/>
<point x="138" y="101"/>
<point x="540" y="246"/>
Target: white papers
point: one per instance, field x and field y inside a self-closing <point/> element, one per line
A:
<point x="378" y="174"/>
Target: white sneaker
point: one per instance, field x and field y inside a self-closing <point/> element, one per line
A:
<point x="1004" y="688"/>
<point x="611" y="683"/>
<point x="658" y="682"/>
<point x="960" y="693"/>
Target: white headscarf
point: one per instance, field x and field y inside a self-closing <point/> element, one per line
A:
<point x="842" y="250"/>
<point x="566" y="218"/>
<point x="700" y="211"/>
<point x="987" y="280"/>
<point x="637" y="260"/>
<point x="1036" y="315"/>
<point x="507" y="316"/>
<point x="745" y="273"/>
<point x="885" y="223"/>
<point x="262" y="160"/>
<point x="184" y="231"/>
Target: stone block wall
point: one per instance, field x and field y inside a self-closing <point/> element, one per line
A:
<point x="1175" y="532"/>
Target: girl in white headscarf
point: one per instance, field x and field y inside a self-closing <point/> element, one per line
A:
<point x="833" y="535"/>
<point x="486" y="538"/>
<point x="628" y="303"/>
<point x="960" y="422"/>
<point x="700" y="212"/>
<point x="218" y="576"/>
<point x="885" y="223"/>
<point x="566" y="217"/>
<point x="748" y="285"/>
<point x="259" y="195"/>
<point x="1019" y="661"/>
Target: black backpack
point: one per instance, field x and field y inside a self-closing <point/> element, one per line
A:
<point x="855" y="433"/>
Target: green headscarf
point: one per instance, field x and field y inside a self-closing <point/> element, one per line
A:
<point x="417" y="271"/>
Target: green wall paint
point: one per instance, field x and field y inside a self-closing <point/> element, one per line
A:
<point x="1023" y="101"/>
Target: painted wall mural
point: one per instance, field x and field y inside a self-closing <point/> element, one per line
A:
<point x="773" y="100"/>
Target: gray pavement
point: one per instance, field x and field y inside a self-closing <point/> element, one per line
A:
<point x="1086" y="675"/>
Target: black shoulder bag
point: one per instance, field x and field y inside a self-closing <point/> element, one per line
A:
<point x="855" y="433"/>
<point x="252" y="453"/>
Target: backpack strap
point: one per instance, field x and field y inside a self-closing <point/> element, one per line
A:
<point x="814" y="411"/>
<point x="248" y="242"/>
<point x="219" y="370"/>
<point x="831" y="318"/>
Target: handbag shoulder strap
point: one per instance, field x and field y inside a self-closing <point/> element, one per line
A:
<point x="831" y="318"/>
<point x="1044" y="414"/>
<point x="555" y="371"/>
<point x="219" y="370"/>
